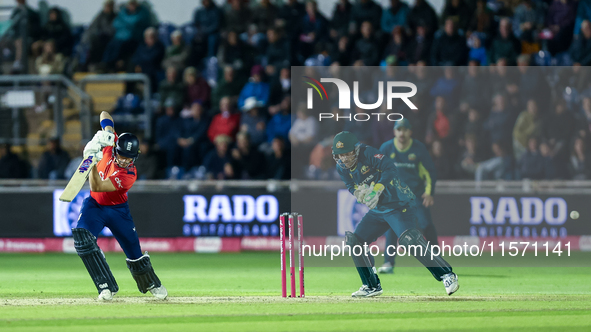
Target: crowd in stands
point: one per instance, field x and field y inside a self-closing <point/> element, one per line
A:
<point x="223" y="82"/>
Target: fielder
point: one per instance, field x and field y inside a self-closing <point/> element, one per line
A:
<point x="374" y="181"/>
<point x="416" y="168"/>
<point x="107" y="206"/>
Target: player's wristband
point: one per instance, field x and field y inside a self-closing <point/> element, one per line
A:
<point x="106" y="123"/>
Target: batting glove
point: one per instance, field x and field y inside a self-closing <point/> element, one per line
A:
<point x="360" y="192"/>
<point x="93" y="149"/>
<point x="372" y="198"/>
<point x="104" y="138"/>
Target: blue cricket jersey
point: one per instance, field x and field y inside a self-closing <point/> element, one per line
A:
<point x="414" y="164"/>
<point x="373" y="166"/>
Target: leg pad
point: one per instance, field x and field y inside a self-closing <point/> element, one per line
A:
<point x="422" y="252"/>
<point x="94" y="260"/>
<point x="363" y="263"/>
<point x="143" y="273"/>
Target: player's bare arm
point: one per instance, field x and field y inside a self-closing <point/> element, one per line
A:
<point x="99" y="185"/>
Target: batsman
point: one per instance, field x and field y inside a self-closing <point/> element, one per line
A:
<point x="107" y="206"/>
<point x="374" y="181"/>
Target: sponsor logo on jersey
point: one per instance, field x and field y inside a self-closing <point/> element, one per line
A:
<point x="379" y="156"/>
<point x="412" y="156"/>
<point x="118" y="182"/>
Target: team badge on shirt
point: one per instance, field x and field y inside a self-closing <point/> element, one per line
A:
<point x="364" y="169"/>
<point x="392" y="155"/>
<point x="412" y="156"/>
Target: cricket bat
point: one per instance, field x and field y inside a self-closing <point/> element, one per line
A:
<point x="78" y="179"/>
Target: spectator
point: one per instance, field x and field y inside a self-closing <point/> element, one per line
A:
<point x="529" y="124"/>
<point x="477" y="51"/>
<point x="395" y="16"/>
<point x="366" y="51"/>
<point x="580" y="51"/>
<point x="586" y="107"/>
<point x="177" y="53"/>
<point x="475" y="91"/>
<point x="197" y="89"/>
<point x="341" y="16"/>
<point x="264" y="15"/>
<point x="252" y="121"/>
<point x="291" y="14"/>
<point x="21" y="12"/>
<point x="342" y="53"/>
<point x="458" y="11"/>
<point x="422" y="14"/>
<point x="247" y="161"/>
<point x="531" y="164"/>
<point x="53" y="161"/>
<point x="366" y="11"/>
<point x="193" y="139"/>
<point x="449" y="48"/>
<point x="580" y="165"/>
<point x="441" y="124"/>
<point x="225" y="123"/>
<point x="49" y="62"/>
<point x="302" y="137"/>
<point x="147" y="58"/>
<point x="149" y="163"/>
<point x="277" y="54"/>
<point x="447" y="86"/>
<point x="561" y="21"/>
<point x="470" y="158"/>
<point x="234" y="52"/>
<point x="58" y="31"/>
<point x="500" y="167"/>
<point x="280" y="86"/>
<point x="130" y="24"/>
<point x="314" y="29"/>
<point x="482" y="18"/>
<point x="499" y="124"/>
<point x="99" y="32"/>
<point x="168" y="129"/>
<point x="238" y="17"/>
<point x="505" y="45"/>
<point x="208" y="20"/>
<point x="280" y="123"/>
<point x="548" y="161"/>
<point x="228" y="86"/>
<point x="528" y="20"/>
<point x="278" y="162"/>
<point x="397" y="46"/>
<point x="441" y="161"/>
<point x="216" y="160"/>
<point x="171" y="90"/>
<point x="558" y="129"/>
<point x="255" y="88"/>
<point x="11" y="166"/>
<point x="419" y="49"/>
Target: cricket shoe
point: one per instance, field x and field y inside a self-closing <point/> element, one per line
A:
<point x="159" y="292"/>
<point x="366" y="291"/>
<point x="106" y="295"/>
<point x="450" y="281"/>
<point x="387" y="268"/>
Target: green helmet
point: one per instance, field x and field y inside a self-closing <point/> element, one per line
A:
<point x="345" y="142"/>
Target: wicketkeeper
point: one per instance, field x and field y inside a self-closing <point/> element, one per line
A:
<point x="373" y="180"/>
<point x="107" y="206"/>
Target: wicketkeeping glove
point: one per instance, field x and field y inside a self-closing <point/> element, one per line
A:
<point x="93" y="149"/>
<point x="104" y="138"/>
<point x="372" y="198"/>
<point x="360" y="192"/>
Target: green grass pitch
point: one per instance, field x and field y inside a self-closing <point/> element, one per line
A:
<point x="221" y="292"/>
